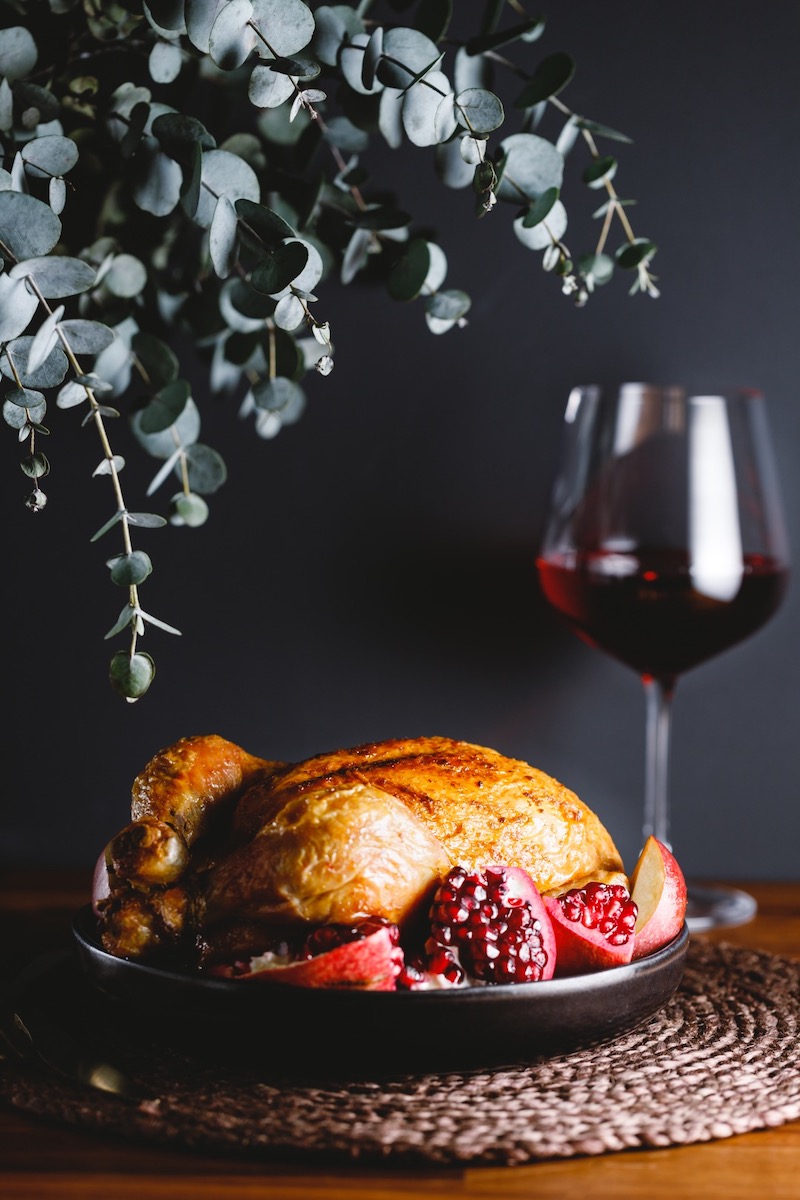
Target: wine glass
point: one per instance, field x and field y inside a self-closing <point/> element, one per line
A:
<point x="664" y="544"/>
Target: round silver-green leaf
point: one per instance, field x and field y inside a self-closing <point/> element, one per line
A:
<point x="190" y="510"/>
<point x="165" y="62"/>
<point x="232" y="37"/>
<point x="531" y="165"/>
<point x="50" y="155"/>
<point x="409" y="48"/>
<point x="56" y="275"/>
<point x="131" y="674"/>
<point x="17" y="307"/>
<point x="129" y="570"/>
<point x="420" y="106"/>
<point x="18" y="53"/>
<point x="206" y="469"/>
<point x="224" y="174"/>
<point x="335" y="24"/>
<point x="50" y="374"/>
<point x="87" y="337"/>
<point x="162" y="445"/>
<point x="30" y="227"/>
<point x="479" y="110"/>
<point x="551" y="227"/>
<point x="288" y="25"/>
<point x="267" y="88"/>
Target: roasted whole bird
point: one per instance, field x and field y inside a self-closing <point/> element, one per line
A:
<point x="224" y="847"/>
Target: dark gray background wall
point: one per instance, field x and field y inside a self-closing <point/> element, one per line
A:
<point x="369" y="573"/>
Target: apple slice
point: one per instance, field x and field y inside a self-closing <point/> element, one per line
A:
<point x="370" y="963"/>
<point x="658" y="889"/>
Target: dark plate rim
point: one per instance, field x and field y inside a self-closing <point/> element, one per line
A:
<point x="612" y="978"/>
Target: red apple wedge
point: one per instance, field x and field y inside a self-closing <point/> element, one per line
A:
<point x="658" y="889"/>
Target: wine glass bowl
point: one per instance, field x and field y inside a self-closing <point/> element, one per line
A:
<point x="664" y="545"/>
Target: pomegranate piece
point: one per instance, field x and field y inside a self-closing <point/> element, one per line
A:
<point x="365" y="955"/>
<point x="487" y="927"/>
<point x="594" y="927"/>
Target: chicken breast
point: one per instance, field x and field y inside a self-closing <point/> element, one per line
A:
<point x="370" y="831"/>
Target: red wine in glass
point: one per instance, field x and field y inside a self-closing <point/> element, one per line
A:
<point x="665" y="545"/>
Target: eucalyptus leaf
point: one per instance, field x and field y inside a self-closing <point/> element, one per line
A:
<point x="269" y="228"/>
<point x="279" y="267"/>
<point x="56" y="275"/>
<point x="551" y="227"/>
<point x="50" y="155"/>
<point x="145" y="520"/>
<point x="224" y="174"/>
<point x="407" y="277"/>
<point x="190" y="510"/>
<point x="390" y="117"/>
<point x="232" y="37"/>
<point x="57" y="195"/>
<point x="109" y="466"/>
<point x="18" y="53"/>
<point x="44" y="339"/>
<point x="373" y="53"/>
<point x="407" y="53"/>
<point x="222" y="238"/>
<point x="18" y="305"/>
<point x="129" y="570"/>
<point x="126" y="276"/>
<point x="351" y="61"/>
<point x="130" y="675"/>
<point x="179" y="135"/>
<point x="602" y="130"/>
<point x="632" y="254"/>
<point x="200" y="16"/>
<point x="161" y="445"/>
<point x="288" y="25"/>
<point x="165" y="408"/>
<point x="550" y="77"/>
<point x="599" y="172"/>
<point x="158" y="187"/>
<point x="540" y="208"/>
<point x="156" y="358"/>
<point x="206" y="470"/>
<point x="50" y="374"/>
<point x="479" y="111"/>
<point x="27" y="398"/>
<point x="165" y="62"/>
<point x="420" y="106"/>
<point x="527" y="30"/>
<point x="356" y="255"/>
<point x="531" y="165"/>
<point x="87" y="337"/>
<point x="268" y="88"/>
<point x="289" y="313"/>
<point x="30" y="227"/>
<point x="334" y="25"/>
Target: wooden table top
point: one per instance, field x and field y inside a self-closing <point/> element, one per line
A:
<point x="39" y="1160"/>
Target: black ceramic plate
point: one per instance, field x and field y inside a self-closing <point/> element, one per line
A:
<point x="383" y="1032"/>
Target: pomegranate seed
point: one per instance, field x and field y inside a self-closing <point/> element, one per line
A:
<point x="606" y="907"/>
<point x="328" y="937"/>
<point x="497" y="940"/>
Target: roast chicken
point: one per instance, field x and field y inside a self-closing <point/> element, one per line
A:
<point x="224" y="847"/>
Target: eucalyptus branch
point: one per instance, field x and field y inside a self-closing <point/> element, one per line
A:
<point x="226" y="233"/>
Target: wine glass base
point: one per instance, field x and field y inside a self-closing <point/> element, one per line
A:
<point x="717" y="907"/>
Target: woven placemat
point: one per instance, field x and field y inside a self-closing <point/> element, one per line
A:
<point x="721" y="1058"/>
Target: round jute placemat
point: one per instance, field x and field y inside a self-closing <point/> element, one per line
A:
<point x="721" y="1058"/>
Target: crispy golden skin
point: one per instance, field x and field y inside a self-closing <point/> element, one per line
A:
<point x="364" y="831"/>
<point x="369" y="830"/>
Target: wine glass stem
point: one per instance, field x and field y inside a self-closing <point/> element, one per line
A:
<point x="658" y="698"/>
